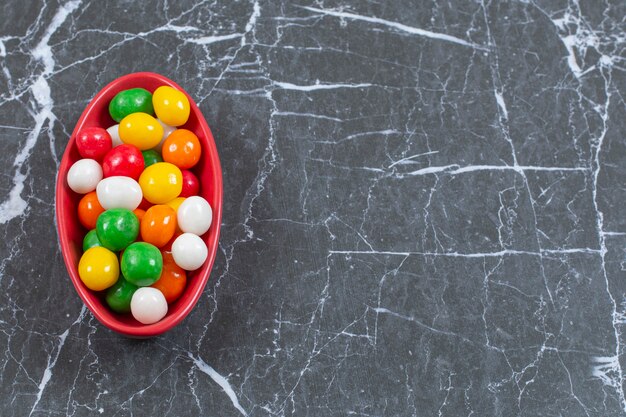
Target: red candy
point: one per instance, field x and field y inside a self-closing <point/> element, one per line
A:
<point x="123" y="160"/>
<point x="191" y="184"/>
<point x="145" y="204"/>
<point x="93" y="143"/>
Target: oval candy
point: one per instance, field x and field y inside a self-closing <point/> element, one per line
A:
<point x="171" y="106"/>
<point x="98" y="268"/>
<point x="117" y="228"/>
<point x="119" y="192"/>
<point x="140" y="130"/>
<point x="123" y="161"/>
<point x="189" y="251"/>
<point x="93" y="142"/>
<point x="161" y="182"/>
<point x="142" y="264"/>
<point x="195" y="215"/>
<point x="84" y="176"/>
<point x="158" y="225"/>
<point x="148" y="305"/>
<point x="130" y="101"/>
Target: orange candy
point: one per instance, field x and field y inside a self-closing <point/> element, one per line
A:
<point x="158" y="225"/>
<point x="173" y="279"/>
<point x="182" y="148"/>
<point x="139" y="213"/>
<point x="89" y="209"/>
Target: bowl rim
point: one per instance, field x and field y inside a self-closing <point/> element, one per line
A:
<point x="212" y="156"/>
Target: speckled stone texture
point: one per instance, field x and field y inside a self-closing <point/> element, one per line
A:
<point x="423" y="213"/>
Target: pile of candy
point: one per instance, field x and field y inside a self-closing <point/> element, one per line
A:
<point x="141" y="205"/>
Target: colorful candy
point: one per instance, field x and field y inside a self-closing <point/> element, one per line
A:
<point x="173" y="279"/>
<point x="139" y="213"/>
<point x="130" y="101"/>
<point x="189" y="251"/>
<point x="191" y="184"/>
<point x="171" y="106"/>
<point x="151" y="157"/>
<point x="161" y="182"/>
<point x="158" y="225"/>
<point x="141" y="205"/>
<point x="84" y="176"/>
<point x="148" y="305"/>
<point x="117" y="228"/>
<point x="145" y="204"/>
<point x="142" y="264"/>
<point x="91" y="240"/>
<point x="175" y="203"/>
<point x="182" y="148"/>
<point x="89" y="209"/>
<point x="195" y="215"/>
<point x="141" y="130"/>
<point x="119" y="192"/>
<point x="98" y="268"/>
<point x="167" y="130"/>
<point x="119" y="296"/>
<point x="114" y="132"/>
<point x="123" y="161"/>
<point x="93" y="142"/>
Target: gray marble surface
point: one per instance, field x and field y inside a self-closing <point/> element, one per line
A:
<point x="423" y="214"/>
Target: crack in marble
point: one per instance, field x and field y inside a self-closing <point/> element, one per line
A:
<point x="320" y="86"/>
<point x="614" y="365"/>
<point x="398" y="26"/>
<point x="52" y="360"/>
<point x="219" y="380"/>
<point x="504" y="126"/>
<point x="498" y="254"/>
<point x="455" y="169"/>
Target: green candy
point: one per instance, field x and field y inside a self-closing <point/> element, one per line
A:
<point x="130" y="101"/>
<point x="91" y="240"/>
<point x="117" y="228"/>
<point x="119" y="295"/>
<point x="142" y="264"/>
<point x="151" y="157"/>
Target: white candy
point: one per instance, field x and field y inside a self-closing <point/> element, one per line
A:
<point x="195" y="215"/>
<point x="119" y="192"/>
<point x="84" y="176"/>
<point x="148" y="305"/>
<point x="189" y="251"/>
<point x="167" y="130"/>
<point x="114" y="131"/>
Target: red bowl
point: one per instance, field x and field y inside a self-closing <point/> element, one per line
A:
<point x="71" y="232"/>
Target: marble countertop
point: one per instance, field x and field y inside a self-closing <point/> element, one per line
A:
<point x="423" y="212"/>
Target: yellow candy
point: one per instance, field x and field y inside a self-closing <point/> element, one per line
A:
<point x="98" y="268"/>
<point x="161" y="182"/>
<point x="141" y="130"/>
<point x="170" y="105"/>
<point x="175" y="203"/>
